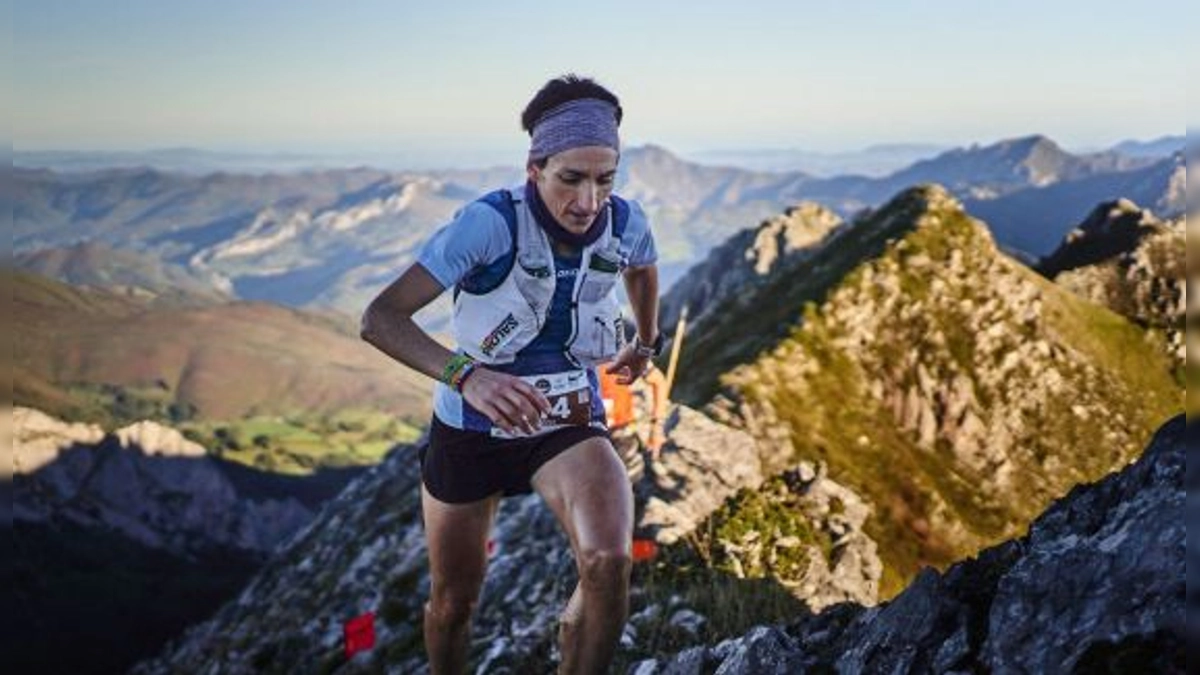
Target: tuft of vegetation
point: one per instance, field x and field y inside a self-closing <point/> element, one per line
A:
<point x="681" y="579"/>
<point x="762" y="533"/>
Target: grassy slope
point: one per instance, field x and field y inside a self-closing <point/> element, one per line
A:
<point x="265" y="386"/>
<point x="833" y="417"/>
<point x="743" y="328"/>
<point x="226" y="360"/>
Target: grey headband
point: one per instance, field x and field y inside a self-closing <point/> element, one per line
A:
<point x="574" y="124"/>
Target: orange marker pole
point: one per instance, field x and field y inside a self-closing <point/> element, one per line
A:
<point x="680" y="326"/>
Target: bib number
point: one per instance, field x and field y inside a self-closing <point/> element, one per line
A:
<point x="570" y="397"/>
<point x="570" y="408"/>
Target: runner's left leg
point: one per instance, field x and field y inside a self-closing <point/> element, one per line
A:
<point x="587" y="489"/>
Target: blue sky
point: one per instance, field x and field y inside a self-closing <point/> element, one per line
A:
<point x="309" y="75"/>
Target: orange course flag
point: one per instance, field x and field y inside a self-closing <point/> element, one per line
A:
<point x="359" y="634"/>
<point x="618" y="400"/>
<point x="643" y="550"/>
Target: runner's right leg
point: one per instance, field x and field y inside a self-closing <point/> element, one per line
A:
<point x="456" y="535"/>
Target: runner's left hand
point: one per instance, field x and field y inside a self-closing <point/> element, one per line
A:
<point x="629" y="366"/>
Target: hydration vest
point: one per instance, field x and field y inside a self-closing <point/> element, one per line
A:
<point x="501" y="308"/>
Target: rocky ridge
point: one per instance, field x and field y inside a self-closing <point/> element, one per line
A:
<point x="365" y="552"/>
<point x="145" y="481"/>
<point x="1125" y="258"/>
<point x="1097" y="584"/>
<point x="748" y="259"/>
<point x="929" y="372"/>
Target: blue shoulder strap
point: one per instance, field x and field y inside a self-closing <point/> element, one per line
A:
<point x="620" y="215"/>
<point x="487" y="278"/>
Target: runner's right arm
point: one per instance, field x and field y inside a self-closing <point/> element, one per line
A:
<point x="510" y="402"/>
<point x="472" y="238"/>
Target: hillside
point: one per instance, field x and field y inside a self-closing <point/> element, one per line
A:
<point x="956" y="390"/>
<point x="122" y="539"/>
<point x="1126" y="259"/>
<point x="83" y="353"/>
<point x="1096" y="586"/>
<point x="366" y="552"/>
<point x="1016" y="604"/>
<point x="93" y="263"/>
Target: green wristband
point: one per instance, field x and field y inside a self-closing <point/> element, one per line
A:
<point x="453" y="366"/>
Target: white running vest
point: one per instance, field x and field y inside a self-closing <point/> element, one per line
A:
<point x="494" y="326"/>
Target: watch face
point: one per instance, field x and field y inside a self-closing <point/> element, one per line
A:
<point x="658" y="343"/>
<point x="654" y="348"/>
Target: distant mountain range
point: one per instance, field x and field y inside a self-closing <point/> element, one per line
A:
<point x="1164" y="146"/>
<point x="977" y="172"/>
<point x="96" y="264"/>
<point x="1034" y="221"/>
<point x="334" y="238"/>
<point x="873" y="161"/>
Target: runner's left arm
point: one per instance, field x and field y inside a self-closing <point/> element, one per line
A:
<point x="641" y="285"/>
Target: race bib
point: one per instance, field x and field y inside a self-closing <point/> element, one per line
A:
<point x="570" y="396"/>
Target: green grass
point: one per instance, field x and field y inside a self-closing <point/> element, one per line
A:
<point x="294" y="444"/>
<point x="755" y="521"/>
<point x="112" y="406"/>
<point x="833" y="420"/>
<point x="1117" y="346"/>
<point x="300" y="444"/>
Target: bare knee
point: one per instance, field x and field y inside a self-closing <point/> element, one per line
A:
<point x="453" y="604"/>
<point x="604" y="569"/>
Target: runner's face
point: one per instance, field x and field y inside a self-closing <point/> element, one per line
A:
<point x="575" y="184"/>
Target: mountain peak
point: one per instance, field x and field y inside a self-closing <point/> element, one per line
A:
<point x="932" y="196"/>
<point x="1031" y="141"/>
<point x="913" y="203"/>
<point x="652" y="153"/>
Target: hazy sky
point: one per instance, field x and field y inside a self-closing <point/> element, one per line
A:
<point x="318" y="75"/>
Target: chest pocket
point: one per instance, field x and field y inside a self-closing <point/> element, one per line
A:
<point x="603" y="269"/>
<point x="532" y="276"/>
<point x="599" y="329"/>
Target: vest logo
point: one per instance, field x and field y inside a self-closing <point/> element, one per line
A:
<point x="569" y="273"/>
<point x="498" y="335"/>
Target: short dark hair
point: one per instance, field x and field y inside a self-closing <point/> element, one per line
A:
<point x="569" y="87"/>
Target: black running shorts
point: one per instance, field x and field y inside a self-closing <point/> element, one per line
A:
<point x="460" y="466"/>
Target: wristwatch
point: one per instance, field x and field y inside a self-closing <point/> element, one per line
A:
<point x="652" y="350"/>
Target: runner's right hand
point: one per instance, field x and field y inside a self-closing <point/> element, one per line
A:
<point x="509" y="402"/>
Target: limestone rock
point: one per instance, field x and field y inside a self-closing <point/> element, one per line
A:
<point x="1099" y="580"/>
<point x="145" y="481"/>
